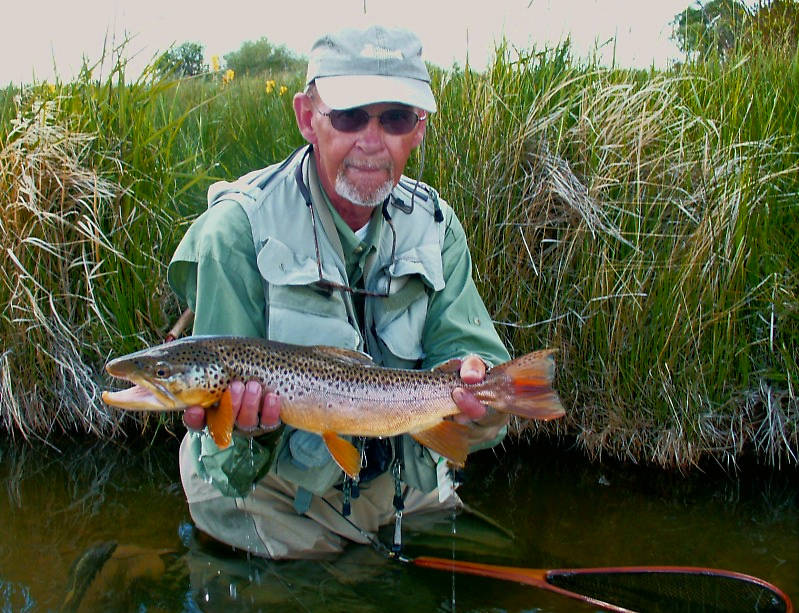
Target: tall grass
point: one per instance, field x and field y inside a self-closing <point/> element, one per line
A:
<point x="89" y="217"/>
<point x="642" y="222"/>
<point x="646" y="222"/>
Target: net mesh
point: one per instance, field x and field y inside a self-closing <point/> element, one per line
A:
<point x="673" y="591"/>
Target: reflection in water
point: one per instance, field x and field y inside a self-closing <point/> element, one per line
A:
<point x="62" y="513"/>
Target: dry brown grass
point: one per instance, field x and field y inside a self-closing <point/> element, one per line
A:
<point x="53" y="246"/>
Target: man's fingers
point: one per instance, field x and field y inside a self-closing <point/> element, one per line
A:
<point x="236" y="394"/>
<point x="270" y="410"/>
<point x="194" y="418"/>
<point x="471" y="408"/>
<point x="473" y="369"/>
<point x="254" y="408"/>
<point x="249" y="413"/>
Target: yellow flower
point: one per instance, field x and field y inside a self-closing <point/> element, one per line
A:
<point x="283" y="89"/>
<point x="50" y="87"/>
<point x="228" y="76"/>
<point x="215" y="63"/>
<point x="270" y="86"/>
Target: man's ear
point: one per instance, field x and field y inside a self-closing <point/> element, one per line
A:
<point x="304" y="112"/>
<point x="418" y="135"/>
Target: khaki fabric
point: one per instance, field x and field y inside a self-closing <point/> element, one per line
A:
<point x="265" y="522"/>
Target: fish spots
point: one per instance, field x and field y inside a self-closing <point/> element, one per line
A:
<point x="315" y="376"/>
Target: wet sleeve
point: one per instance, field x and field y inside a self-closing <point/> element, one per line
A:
<point x="458" y="324"/>
<point x="214" y="271"/>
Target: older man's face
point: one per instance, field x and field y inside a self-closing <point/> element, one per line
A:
<point x="357" y="167"/>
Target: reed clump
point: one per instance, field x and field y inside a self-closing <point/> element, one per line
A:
<point x="86" y="220"/>
<point x="642" y="222"/>
<point x="53" y="244"/>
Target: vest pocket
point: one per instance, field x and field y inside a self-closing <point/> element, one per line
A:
<point x="399" y="319"/>
<point x="297" y="310"/>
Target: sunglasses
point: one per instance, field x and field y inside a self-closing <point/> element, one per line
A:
<point x="396" y="122"/>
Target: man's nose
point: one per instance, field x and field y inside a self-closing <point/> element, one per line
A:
<point x="372" y="134"/>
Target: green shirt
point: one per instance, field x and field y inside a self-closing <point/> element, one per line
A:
<point x="214" y="270"/>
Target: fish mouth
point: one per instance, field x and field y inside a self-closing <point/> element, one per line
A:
<point x="143" y="396"/>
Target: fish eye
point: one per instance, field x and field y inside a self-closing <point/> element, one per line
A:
<point x="162" y="370"/>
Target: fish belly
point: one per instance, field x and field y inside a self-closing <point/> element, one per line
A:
<point x="360" y="418"/>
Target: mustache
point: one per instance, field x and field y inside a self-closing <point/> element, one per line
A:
<point x="368" y="164"/>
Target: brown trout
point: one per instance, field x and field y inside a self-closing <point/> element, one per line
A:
<point x="329" y="391"/>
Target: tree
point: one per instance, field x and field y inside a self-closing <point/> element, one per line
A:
<point x="183" y="61"/>
<point x="712" y="27"/>
<point x="257" y="57"/>
<point x="719" y="26"/>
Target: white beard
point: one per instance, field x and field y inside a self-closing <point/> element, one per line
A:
<point x="369" y="199"/>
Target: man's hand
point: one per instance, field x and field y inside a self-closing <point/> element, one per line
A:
<point x="472" y="370"/>
<point x="255" y="409"/>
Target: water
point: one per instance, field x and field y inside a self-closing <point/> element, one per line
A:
<point x="564" y="512"/>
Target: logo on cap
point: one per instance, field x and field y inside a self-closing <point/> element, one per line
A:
<point x="380" y="53"/>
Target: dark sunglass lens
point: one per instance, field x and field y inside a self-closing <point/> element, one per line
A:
<point x="394" y="121"/>
<point x="349" y="120"/>
<point x="398" y="121"/>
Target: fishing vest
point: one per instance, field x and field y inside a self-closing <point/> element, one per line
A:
<point x="299" y="311"/>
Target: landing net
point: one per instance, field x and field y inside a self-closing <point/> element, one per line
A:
<point x="674" y="590"/>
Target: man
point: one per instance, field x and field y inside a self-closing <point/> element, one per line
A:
<point x="333" y="246"/>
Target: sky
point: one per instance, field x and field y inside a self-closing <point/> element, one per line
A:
<point x="39" y="35"/>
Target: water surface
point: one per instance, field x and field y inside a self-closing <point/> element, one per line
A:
<point x="64" y="506"/>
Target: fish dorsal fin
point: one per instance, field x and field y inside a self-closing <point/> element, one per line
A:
<point x="219" y="418"/>
<point x="452" y="366"/>
<point x="351" y="356"/>
<point x="449" y="438"/>
<point x="344" y="453"/>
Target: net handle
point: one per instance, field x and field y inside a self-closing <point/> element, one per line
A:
<point x="180" y="325"/>
<point x="537" y="577"/>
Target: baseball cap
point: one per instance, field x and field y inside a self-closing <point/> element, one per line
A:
<point x="355" y="67"/>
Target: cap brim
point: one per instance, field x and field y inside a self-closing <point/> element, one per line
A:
<point x="346" y="92"/>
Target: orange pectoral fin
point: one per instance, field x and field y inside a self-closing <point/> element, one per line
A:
<point x="449" y="438"/>
<point x="220" y="420"/>
<point x="344" y="453"/>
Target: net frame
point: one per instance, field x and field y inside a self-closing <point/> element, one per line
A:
<point x="544" y="578"/>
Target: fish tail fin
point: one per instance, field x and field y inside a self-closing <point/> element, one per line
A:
<point x="219" y="419"/>
<point x="523" y="387"/>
